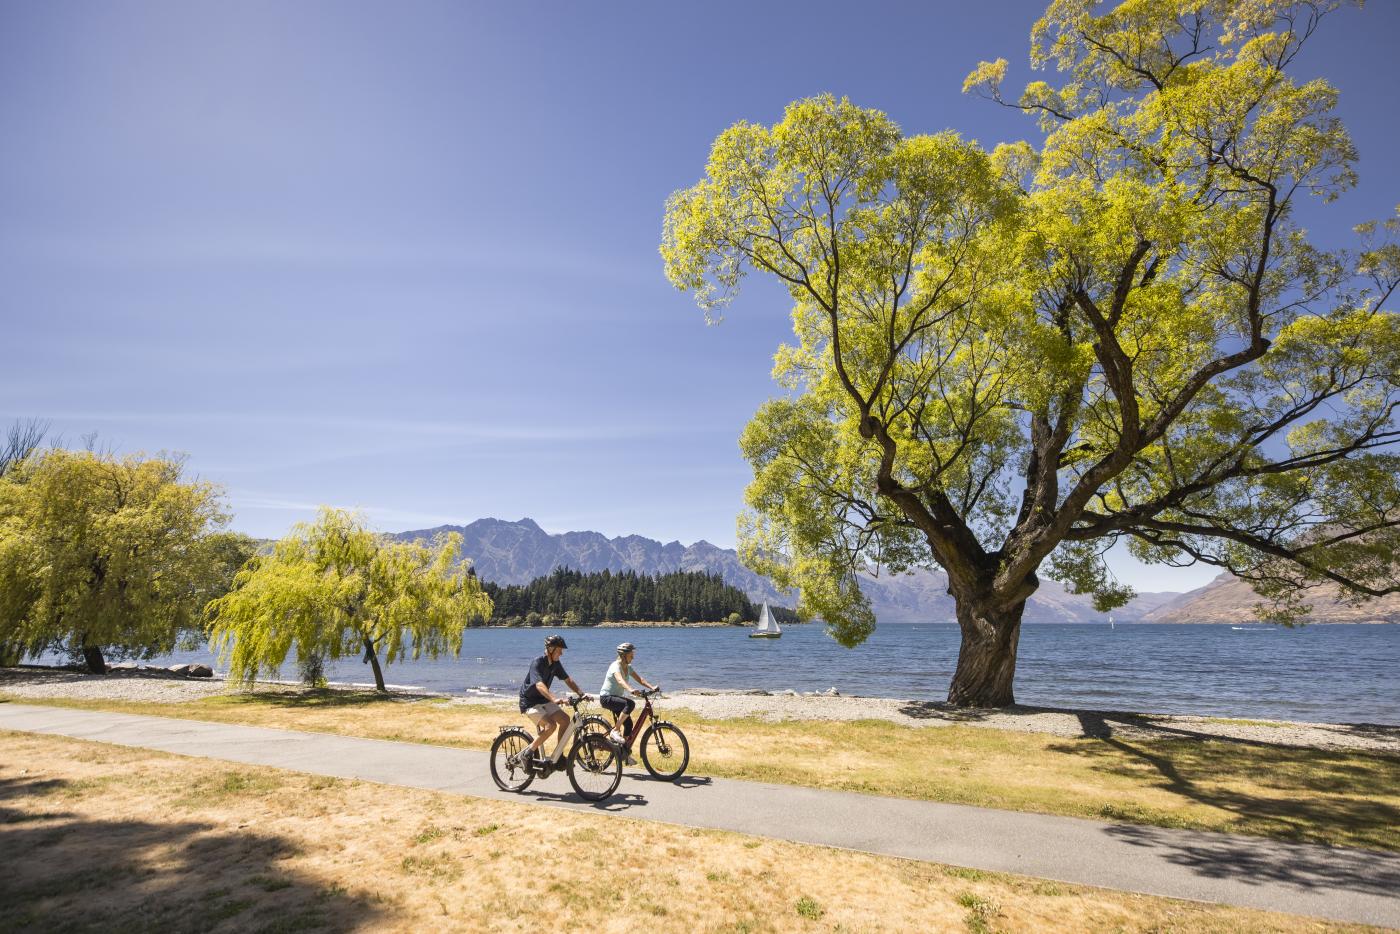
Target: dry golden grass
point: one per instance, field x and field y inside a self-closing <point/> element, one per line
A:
<point x="100" y="837"/>
<point x="1342" y="798"/>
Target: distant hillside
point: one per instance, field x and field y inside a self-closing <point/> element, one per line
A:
<point x="1227" y="599"/>
<point x="519" y="552"/>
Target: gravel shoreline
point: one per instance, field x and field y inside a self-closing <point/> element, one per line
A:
<point x="39" y="684"/>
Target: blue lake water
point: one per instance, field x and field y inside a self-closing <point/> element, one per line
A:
<point x="1334" y="673"/>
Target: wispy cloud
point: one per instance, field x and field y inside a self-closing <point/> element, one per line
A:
<point x="456" y="430"/>
<point x="323" y="251"/>
<point x="377" y="514"/>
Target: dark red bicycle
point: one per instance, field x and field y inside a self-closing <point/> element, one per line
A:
<point x="664" y="749"/>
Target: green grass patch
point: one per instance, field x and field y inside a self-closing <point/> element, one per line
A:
<point x="269" y="883"/>
<point x="222" y="911"/>
<point x="428" y="834"/>
<point x="235" y="783"/>
<point x="436" y="867"/>
<point x="980" y="912"/>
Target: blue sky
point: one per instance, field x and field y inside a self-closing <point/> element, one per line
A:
<point x="403" y="256"/>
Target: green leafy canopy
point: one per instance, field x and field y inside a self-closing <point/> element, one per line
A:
<point x="99" y="552"/>
<point x="335" y="587"/>
<point x="1005" y="361"/>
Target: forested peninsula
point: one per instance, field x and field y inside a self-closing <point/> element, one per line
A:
<point x="572" y="598"/>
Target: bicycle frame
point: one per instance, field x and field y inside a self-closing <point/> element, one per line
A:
<point x="569" y="730"/>
<point x="639" y="724"/>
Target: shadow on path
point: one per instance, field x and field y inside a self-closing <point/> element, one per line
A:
<point x="620" y="801"/>
<point x="1249" y="862"/>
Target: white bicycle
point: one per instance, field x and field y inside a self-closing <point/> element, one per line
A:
<point x="593" y="763"/>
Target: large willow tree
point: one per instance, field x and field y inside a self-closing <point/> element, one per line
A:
<point x="1008" y="361"/>
<point x="335" y="587"/>
<point x="105" y="554"/>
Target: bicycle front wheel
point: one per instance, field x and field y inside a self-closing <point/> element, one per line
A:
<point x="595" y="768"/>
<point x="505" y="750"/>
<point x="665" y="751"/>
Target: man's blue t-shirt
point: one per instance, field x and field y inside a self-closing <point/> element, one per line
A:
<point x="540" y="670"/>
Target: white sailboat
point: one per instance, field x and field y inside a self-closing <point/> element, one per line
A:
<point x="767" y="627"/>
<point x="1110" y="621"/>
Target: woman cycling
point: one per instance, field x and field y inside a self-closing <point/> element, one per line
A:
<point x="613" y="695"/>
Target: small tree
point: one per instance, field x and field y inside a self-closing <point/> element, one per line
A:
<point x="100" y="553"/>
<point x="1006" y="362"/>
<point x="311" y="669"/>
<point x="333" y="588"/>
<point x="21" y="440"/>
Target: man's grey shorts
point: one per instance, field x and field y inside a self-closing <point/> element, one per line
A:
<point x="540" y="711"/>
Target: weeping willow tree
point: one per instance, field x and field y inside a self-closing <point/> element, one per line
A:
<point x="106" y="556"/>
<point x="1008" y="361"/>
<point x="334" y="588"/>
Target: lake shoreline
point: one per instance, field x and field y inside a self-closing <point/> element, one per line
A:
<point x="38" y="684"/>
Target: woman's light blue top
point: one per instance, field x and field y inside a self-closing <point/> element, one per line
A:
<point x="615" y="682"/>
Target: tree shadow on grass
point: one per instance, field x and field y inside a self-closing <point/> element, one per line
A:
<point x="321" y="699"/>
<point x="65" y="872"/>
<point x="1101" y="724"/>
<point x="1379" y="731"/>
<point x="1095" y="723"/>
<point x="1288" y="792"/>
<point x="938" y="710"/>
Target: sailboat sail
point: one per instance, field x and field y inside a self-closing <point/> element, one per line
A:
<point x="767" y="625"/>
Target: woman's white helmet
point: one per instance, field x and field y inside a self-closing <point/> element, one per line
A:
<point x="626" y="647"/>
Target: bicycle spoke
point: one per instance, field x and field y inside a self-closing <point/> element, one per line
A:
<point x="595" y="768"/>
<point x="665" y="751"/>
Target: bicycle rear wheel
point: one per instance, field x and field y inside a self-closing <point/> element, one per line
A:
<point x="665" y="751"/>
<point x="593" y="724"/>
<point x="510" y="744"/>
<point x="595" y="768"/>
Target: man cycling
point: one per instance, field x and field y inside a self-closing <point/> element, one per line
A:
<point x="538" y="703"/>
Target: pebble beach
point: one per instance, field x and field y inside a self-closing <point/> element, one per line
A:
<point x="39" y="684"/>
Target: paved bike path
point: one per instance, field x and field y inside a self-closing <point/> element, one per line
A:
<point x="1327" y="882"/>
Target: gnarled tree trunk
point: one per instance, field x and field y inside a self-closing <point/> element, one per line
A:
<point x="373" y="660"/>
<point x="987" y="658"/>
<point x="92" y="654"/>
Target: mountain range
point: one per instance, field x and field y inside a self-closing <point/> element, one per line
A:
<point x="518" y="552"/>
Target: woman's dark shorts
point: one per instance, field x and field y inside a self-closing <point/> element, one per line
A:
<point x="622" y="706"/>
